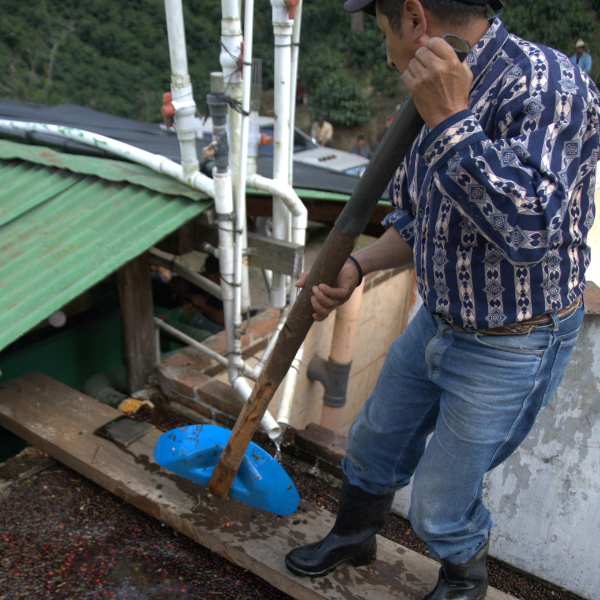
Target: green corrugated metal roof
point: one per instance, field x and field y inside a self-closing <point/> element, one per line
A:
<point x="105" y="168"/>
<point x="61" y="232"/>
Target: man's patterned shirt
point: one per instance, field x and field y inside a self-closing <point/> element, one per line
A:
<point x="497" y="200"/>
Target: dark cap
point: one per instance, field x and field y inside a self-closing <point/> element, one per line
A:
<point x="368" y="6"/>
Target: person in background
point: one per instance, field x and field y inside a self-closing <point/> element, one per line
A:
<point x="322" y="131"/>
<point x="581" y="57"/>
<point x="362" y="148"/>
<point x="211" y="306"/>
<point x="194" y="306"/>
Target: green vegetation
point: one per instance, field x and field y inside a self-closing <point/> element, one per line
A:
<point x="112" y="55"/>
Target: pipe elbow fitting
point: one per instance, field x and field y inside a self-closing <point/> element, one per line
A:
<point x="334" y="378"/>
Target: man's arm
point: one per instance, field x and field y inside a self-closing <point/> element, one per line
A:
<point x="214" y="314"/>
<point x="327" y="133"/>
<point x="388" y="252"/>
<point x="516" y="187"/>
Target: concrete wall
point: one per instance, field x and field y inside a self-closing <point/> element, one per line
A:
<point x="545" y="498"/>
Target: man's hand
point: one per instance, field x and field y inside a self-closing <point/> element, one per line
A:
<point x="438" y="82"/>
<point x="325" y="298"/>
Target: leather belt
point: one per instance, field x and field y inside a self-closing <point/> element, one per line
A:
<point x="524" y="327"/>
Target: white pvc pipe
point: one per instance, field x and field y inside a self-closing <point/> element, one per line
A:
<point x="241" y="386"/>
<point x="231" y="44"/>
<point x="240" y="200"/>
<point x="282" y="30"/>
<point x="293" y="78"/>
<point x="224" y="210"/>
<point x="202" y="282"/>
<point x="286" y="194"/>
<point x="289" y="387"/>
<point x="265" y="355"/>
<point x="231" y="40"/>
<point x="182" y="97"/>
<point x="176" y="34"/>
<point x="157" y="163"/>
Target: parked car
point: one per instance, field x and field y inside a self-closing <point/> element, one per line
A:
<point x="306" y="150"/>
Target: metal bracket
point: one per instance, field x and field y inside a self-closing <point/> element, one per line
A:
<point x="225" y="216"/>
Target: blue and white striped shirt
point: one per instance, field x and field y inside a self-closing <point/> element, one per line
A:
<point x="497" y="200"/>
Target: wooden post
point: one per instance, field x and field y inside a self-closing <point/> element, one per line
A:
<point x="137" y="317"/>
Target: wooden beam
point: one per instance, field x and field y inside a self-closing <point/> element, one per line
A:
<point x="268" y="253"/>
<point x="61" y="422"/>
<point x="178" y="242"/>
<point x="137" y="318"/>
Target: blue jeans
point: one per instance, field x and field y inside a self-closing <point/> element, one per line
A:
<point x="479" y="395"/>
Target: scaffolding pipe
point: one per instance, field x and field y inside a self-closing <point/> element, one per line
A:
<point x="157" y="163"/>
<point x="182" y="97"/>
<point x="190" y="341"/>
<point x="202" y="282"/>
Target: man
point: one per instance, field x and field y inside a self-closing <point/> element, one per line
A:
<point x="492" y="207"/>
<point x="581" y="57"/>
<point x="322" y="131"/>
<point x="362" y="148"/>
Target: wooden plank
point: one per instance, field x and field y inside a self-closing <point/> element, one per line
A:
<point x="137" y="319"/>
<point x="277" y="255"/>
<point x="60" y="421"/>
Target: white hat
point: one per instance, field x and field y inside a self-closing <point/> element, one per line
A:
<point x="580" y="43"/>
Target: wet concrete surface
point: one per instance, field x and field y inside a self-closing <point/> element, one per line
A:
<point x="64" y="537"/>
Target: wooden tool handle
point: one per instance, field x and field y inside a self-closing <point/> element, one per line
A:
<point x="326" y="268"/>
<point x="339" y="244"/>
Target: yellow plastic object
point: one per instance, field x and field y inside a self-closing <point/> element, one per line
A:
<point x="131" y="405"/>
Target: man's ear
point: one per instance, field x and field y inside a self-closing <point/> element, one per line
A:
<point x="416" y="20"/>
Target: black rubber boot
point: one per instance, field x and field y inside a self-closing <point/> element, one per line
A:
<point x="467" y="581"/>
<point x="360" y="516"/>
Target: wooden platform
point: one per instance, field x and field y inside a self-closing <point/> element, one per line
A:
<point x="61" y="421"/>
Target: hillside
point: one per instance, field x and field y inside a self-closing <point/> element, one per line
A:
<point x="112" y="55"/>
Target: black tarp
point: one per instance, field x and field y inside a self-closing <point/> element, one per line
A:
<point x="149" y="137"/>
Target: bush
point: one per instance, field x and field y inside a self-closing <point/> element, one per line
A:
<point x="338" y="98"/>
<point x="384" y="79"/>
<point x="366" y="48"/>
<point x="315" y="62"/>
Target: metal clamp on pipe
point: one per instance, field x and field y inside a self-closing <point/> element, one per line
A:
<point x="334" y="378"/>
<point x="217" y="106"/>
